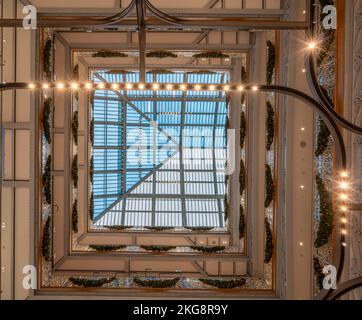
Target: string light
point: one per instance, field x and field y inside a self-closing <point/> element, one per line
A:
<point x="344" y="232"/>
<point x="197" y="87"/>
<point x="101" y="86"/>
<point x="183" y="87"/>
<point x="169" y="87"/>
<point x="343" y="185"/>
<point x="155" y="86"/>
<point x="212" y="87"/>
<point x="115" y="86"/>
<point x="344" y="209"/>
<point x="312" y="45"/>
<point x="344" y="197"/>
<point x="344" y="174"/>
<point x="31" y="86"/>
<point x="60" y="85"/>
<point x="141" y="86"/>
<point x="74" y="86"/>
<point x="45" y="86"/>
<point x="255" y="88"/>
<point x="344" y="220"/>
<point x="226" y="88"/>
<point x="129" y="86"/>
<point x="88" y="86"/>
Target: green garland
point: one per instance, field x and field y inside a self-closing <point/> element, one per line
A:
<point x="75" y="171"/>
<point x="47" y="53"/>
<point x="224" y="284"/>
<point x="199" y="229"/>
<point x="242" y="223"/>
<point x="109" y="54"/>
<point x="244" y="75"/>
<point x="326" y="214"/>
<point x="47" y="110"/>
<point x="89" y="283"/>
<point x="91" y="206"/>
<point x="75" y="126"/>
<point x="106" y="248"/>
<point x="158" y="248"/>
<point x="47" y="180"/>
<point x="270" y="126"/>
<point x="242" y="129"/>
<point x="242" y="177"/>
<point x="45" y="245"/>
<point x="269" y="246"/>
<point x="201" y="72"/>
<point x="271" y="62"/>
<point x="156" y="283"/>
<point x="161" y="71"/>
<point x="159" y="228"/>
<point x="91" y="170"/>
<point x="318" y="272"/>
<point x="76" y="73"/>
<point x="208" y="249"/>
<point x="91" y="132"/>
<point x="211" y="55"/>
<point x="75" y="216"/>
<point x="161" y="54"/>
<point x="118" y="228"/>
<point x="226" y="208"/>
<point x="269" y="186"/>
<point x="323" y="138"/>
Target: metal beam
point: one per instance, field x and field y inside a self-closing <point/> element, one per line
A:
<point x="141" y="16"/>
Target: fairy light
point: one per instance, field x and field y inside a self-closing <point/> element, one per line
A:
<point x="141" y="86"/>
<point x="197" y="87"/>
<point x="344" y="232"/>
<point x="344" y="197"/>
<point x="74" y="86"/>
<point x="31" y="86"/>
<point x="183" y="87"/>
<point x="312" y="45"/>
<point x="255" y="88"/>
<point x="241" y="88"/>
<point x="343" y="185"/>
<point x="155" y="86"/>
<point x="344" y="209"/>
<point x="344" y="174"/>
<point x="129" y="86"/>
<point x="45" y="86"/>
<point x="226" y="88"/>
<point x="101" y="85"/>
<point x="169" y="87"/>
<point x="344" y="220"/>
<point x="88" y="86"/>
<point x="115" y="86"/>
<point x="60" y="85"/>
<point x="211" y="87"/>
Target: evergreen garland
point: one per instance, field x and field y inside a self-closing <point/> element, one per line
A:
<point x="226" y="208"/>
<point x="270" y="126"/>
<point x="318" y="272"/>
<point x="199" y="229"/>
<point x="269" y="246"/>
<point x="242" y="130"/>
<point x="75" y="126"/>
<point x="323" y="138"/>
<point x="118" y="228"/>
<point x="271" y="62"/>
<point x="152" y="283"/>
<point x="109" y="54"/>
<point x="159" y="228"/>
<point x="91" y="132"/>
<point x="161" y="54"/>
<point x="106" y="248"/>
<point x="208" y="249"/>
<point x="242" y="223"/>
<point x="91" y="206"/>
<point x="211" y="55"/>
<point x="224" y="284"/>
<point x="47" y="109"/>
<point x="326" y="214"/>
<point x="45" y="246"/>
<point x="244" y="75"/>
<point x="89" y="283"/>
<point x="75" y="216"/>
<point x="158" y="248"/>
<point x="161" y="71"/>
<point x="47" y="53"/>
<point x="269" y="186"/>
<point x="91" y="170"/>
<point x="242" y="177"/>
<point x="201" y="72"/>
<point x="75" y="171"/>
<point x="47" y="180"/>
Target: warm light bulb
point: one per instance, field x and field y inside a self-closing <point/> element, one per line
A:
<point x="88" y="86"/>
<point x="344" y="197"/>
<point x="241" y="88"/>
<point x="226" y="88"/>
<point x="101" y="86"/>
<point x="343" y="185"/>
<point x="45" y="86"/>
<point x="155" y="86"/>
<point x="197" y="87"/>
<point x="115" y="86"/>
<point x="344" y="232"/>
<point x="141" y="86"/>
<point x="312" y="45"/>
<point x="60" y="85"/>
<point x="344" y="220"/>
<point x="344" y="174"/>
<point x="169" y="87"/>
<point x="212" y="88"/>
<point x="344" y="244"/>
<point x="255" y="88"/>
<point x="183" y="87"/>
<point x="32" y="86"/>
<point x="74" y="86"/>
<point x="344" y="209"/>
<point x="129" y="86"/>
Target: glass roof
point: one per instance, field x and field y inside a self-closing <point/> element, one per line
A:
<point x="159" y="156"/>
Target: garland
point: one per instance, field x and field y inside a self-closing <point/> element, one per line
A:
<point x="88" y="283"/>
<point x="201" y="72"/>
<point x="118" y="228"/>
<point x="199" y="229"/>
<point x="242" y="130"/>
<point x="318" y="271"/>
<point x="271" y="62"/>
<point x="208" y="249"/>
<point x="242" y="177"/>
<point x="47" y="52"/>
<point x="160" y="71"/>
<point x="158" y="248"/>
<point x="326" y="214"/>
<point x="269" y="247"/>
<point x="161" y="54"/>
<point x="91" y="206"/>
<point x="242" y="223"/>
<point x="270" y="126"/>
<point x="107" y="247"/>
<point x="91" y="132"/>
<point x="91" y="170"/>
<point x="269" y="186"/>
<point x="226" y="208"/>
<point x="45" y="246"/>
<point x="122" y="71"/>
<point x="224" y="284"/>
<point x="47" y="180"/>
<point x="211" y="55"/>
<point x="156" y="283"/>
<point x="323" y="138"/>
<point x="244" y="75"/>
<point x="75" y="171"/>
<point x="47" y="109"/>
<point x="76" y="72"/>
<point x="75" y="216"/>
<point x="109" y="54"/>
<point x="159" y="228"/>
<point x="75" y="126"/>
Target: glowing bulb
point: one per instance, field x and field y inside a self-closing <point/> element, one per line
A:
<point x="344" y="232"/>
<point x="301" y="244"/>
<point x="344" y="220"/>
<point x="226" y="88"/>
<point x="255" y="88"/>
<point x="344" y="244"/>
<point x="241" y="88"/>
<point x="32" y="86"/>
<point x="60" y="85"/>
<point x="344" y="174"/>
<point x="302" y="129"/>
<point x="101" y="86"/>
<point x="182" y="87"/>
<point x="141" y="86"/>
<point x="312" y="45"/>
<point x="45" y="86"/>
<point x="74" y="86"/>
<point x="344" y="197"/>
<point x="344" y="209"/>
<point x="129" y="86"/>
<point x="302" y="187"/>
<point x="343" y="185"/>
<point x="88" y="86"/>
<point x="197" y="87"/>
<point x="212" y="88"/>
<point x="155" y="86"/>
<point x="169" y="87"/>
<point x="115" y="86"/>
